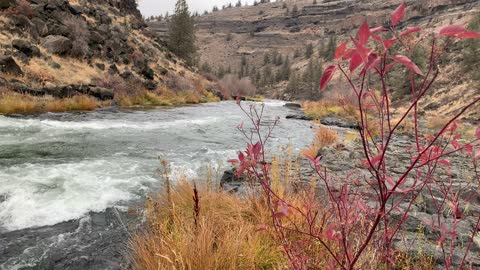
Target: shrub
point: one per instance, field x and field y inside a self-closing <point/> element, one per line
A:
<point x="357" y="220"/>
<point x="237" y="87"/>
<point x="22" y="7"/>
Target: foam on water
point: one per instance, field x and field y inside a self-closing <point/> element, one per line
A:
<point x="101" y="124"/>
<point x="39" y="195"/>
<point x="274" y="103"/>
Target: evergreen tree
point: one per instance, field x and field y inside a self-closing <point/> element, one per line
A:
<point x="312" y="75"/>
<point x="331" y="47"/>
<point x="309" y="50"/>
<point x="239" y="3"/>
<point x="221" y="72"/>
<point x="296" y="54"/>
<point x="181" y="38"/>
<point x="285" y="70"/>
<point x="293" y="84"/>
<point x="266" y="59"/>
<point x="294" y="10"/>
<point x="471" y="50"/>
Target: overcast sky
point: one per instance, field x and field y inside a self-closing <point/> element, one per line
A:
<point x="157" y="7"/>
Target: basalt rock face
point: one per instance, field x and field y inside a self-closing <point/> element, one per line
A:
<point x="49" y="40"/>
<point x="225" y="36"/>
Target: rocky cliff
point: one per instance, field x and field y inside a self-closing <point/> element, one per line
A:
<point x="225" y="36"/>
<point x="60" y="48"/>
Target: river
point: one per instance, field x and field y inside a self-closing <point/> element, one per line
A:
<point x="68" y="180"/>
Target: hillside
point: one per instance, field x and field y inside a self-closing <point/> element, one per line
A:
<point x="103" y="49"/>
<point x="251" y="32"/>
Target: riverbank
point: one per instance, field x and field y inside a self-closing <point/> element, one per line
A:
<point x="15" y="103"/>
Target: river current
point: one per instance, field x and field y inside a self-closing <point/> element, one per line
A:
<point x="60" y="171"/>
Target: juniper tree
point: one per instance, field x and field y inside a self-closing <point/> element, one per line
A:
<point x="309" y="50"/>
<point x="331" y="47"/>
<point x="471" y="51"/>
<point x="181" y="38"/>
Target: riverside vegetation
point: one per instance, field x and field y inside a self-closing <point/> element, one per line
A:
<point x="366" y="212"/>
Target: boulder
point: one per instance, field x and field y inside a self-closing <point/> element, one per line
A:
<point x="300" y="117"/>
<point x="23" y="22"/>
<point x="4" y="4"/>
<point x="339" y="123"/>
<point x="8" y="65"/>
<point x="113" y="69"/>
<point x="57" y="44"/>
<point x="96" y="38"/>
<point x="100" y="66"/>
<point x="150" y="84"/>
<point x="101" y="93"/>
<point x="40" y="26"/>
<point x="231" y="182"/>
<point x="25" y="47"/>
<point x="293" y="105"/>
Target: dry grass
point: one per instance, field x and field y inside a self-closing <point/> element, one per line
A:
<point x="225" y="236"/>
<point x="164" y="97"/>
<point x="323" y="137"/>
<point x="229" y="231"/>
<point x="324" y="108"/>
<point x="12" y="103"/>
<point x="72" y="71"/>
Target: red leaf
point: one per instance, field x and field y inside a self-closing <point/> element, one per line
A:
<point x="388" y="67"/>
<point x="397" y="15"/>
<point x="377" y="29"/>
<point x="361" y="50"/>
<point x="355" y="62"/>
<point x="410" y="30"/>
<point x="241" y="156"/>
<point x="389" y="42"/>
<point x="408" y="63"/>
<point x="327" y="76"/>
<point x="468" y="149"/>
<point x="477" y="133"/>
<point x="469" y="35"/>
<point x="348" y="54"/>
<point x="341" y="50"/>
<point x="451" y="30"/>
<point x="376" y="159"/>
<point x="444" y="162"/>
<point x="363" y="33"/>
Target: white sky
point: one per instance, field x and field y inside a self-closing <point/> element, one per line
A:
<point x="157" y="7"/>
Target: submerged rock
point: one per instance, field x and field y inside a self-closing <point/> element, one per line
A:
<point x="293" y="105"/>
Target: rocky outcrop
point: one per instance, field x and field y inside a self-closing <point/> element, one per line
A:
<point x="64" y="91"/>
<point x="9" y="66"/>
<point x="25" y="47"/>
<point x="6" y="3"/>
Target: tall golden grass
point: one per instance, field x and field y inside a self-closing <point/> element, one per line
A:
<point x="225" y="236"/>
<point x="12" y="103"/>
<point x="230" y="231"/>
<point x="323" y="137"/>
